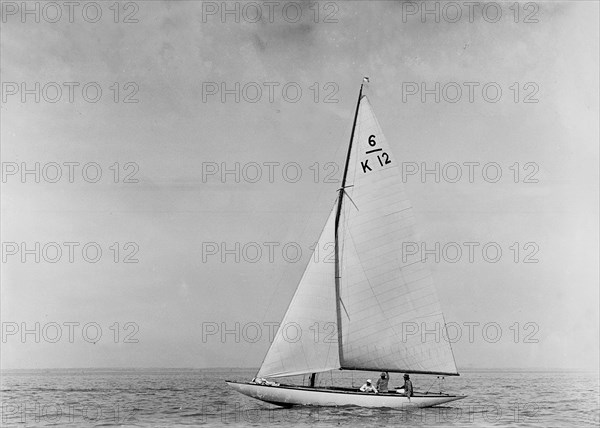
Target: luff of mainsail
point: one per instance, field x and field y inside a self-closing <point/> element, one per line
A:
<point x="383" y="291"/>
<point x="306" y="341"/>
<point x="338" y="214"/>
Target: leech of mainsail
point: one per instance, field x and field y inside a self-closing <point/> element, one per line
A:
<point x="379" y="288"/>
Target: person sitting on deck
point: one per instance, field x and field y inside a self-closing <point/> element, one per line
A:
<point x="408" y="386"/>
<point x="367" y="387"/>
<point x="382" y="382"/>
<point x="263" y="381"/>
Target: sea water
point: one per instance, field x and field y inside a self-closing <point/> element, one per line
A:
<point x="188" y="397"/>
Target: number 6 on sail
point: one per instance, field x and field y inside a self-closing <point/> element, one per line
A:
<point x="368" y="294"/>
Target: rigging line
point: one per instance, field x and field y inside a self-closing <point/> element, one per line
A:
<point x="432" y="383"/>
<point x="344" y="233"/>
<point x="336" y="230"/>
<point x="342" y="252"/>
<point x="344" y="306"/>
<point x="343" y="188"/>
<point x="346" y="193"/>
<point x="449" y="341"/>
<point x="412" y="263"/>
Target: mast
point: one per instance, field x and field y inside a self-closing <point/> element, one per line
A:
<point x="337" y="222"/>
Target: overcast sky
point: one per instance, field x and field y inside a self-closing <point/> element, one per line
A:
<point x="173" y="137"/>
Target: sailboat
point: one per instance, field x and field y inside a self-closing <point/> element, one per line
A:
<point x="365" y="297"/>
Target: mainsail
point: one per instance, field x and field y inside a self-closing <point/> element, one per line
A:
<point x="388" y="298"/>
<point x="381" y="296"/>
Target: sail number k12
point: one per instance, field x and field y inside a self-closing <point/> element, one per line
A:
<point x="382" y="157"/>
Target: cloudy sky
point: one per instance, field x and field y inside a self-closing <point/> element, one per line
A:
<point x="172" y="210"/>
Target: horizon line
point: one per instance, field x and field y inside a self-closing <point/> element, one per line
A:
<point x="465" y="369"/>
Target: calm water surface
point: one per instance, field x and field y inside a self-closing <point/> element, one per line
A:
<point x="161" y="398"/>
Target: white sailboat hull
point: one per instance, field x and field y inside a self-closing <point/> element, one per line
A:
<point x="297" y="395"/>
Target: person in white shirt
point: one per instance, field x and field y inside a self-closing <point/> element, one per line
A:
<point x="368" y="387"/>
